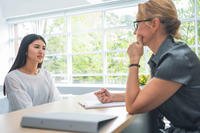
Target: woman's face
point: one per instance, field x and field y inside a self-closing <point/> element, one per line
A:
<point x="144" y="30"/>
<point x="36" y="51"/>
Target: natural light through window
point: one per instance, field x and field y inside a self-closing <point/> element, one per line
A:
<point x="90" y="47"/>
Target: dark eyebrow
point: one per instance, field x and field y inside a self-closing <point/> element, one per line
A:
<point x="39" y="45"/>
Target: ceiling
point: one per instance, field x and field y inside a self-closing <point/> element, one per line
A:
<point x="12" y="8"/>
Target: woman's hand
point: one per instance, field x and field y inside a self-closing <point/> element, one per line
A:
<point x="104" y="95"/>
<point x="135" y="51"/>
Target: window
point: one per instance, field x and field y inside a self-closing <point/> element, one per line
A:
<point x="90" y="47"/>
<point x="189" y="13"/>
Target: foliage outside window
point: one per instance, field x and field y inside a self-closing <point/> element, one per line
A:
<point x="90" y="48"/>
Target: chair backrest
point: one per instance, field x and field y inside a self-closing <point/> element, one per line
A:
<point x="4" y="105"/>
<point x="141" y="124"/>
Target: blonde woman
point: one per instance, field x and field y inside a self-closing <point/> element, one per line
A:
<point x="174" y="88"/>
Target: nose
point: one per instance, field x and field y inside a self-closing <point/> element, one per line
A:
<point x="42" y="51"/>
<point x="134" y="32"/>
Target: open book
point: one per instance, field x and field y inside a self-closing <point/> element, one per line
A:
<point x="90" y="101"/>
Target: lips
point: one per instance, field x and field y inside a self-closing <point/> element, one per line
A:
<point x="40" y="56"/>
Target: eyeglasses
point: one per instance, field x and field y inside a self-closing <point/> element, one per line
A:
<point x="138" y="21"/>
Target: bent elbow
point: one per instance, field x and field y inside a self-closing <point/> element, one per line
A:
<point x="129" y="110"/>
<point x="134" y="110"/>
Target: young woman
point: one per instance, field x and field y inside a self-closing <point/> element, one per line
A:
<point x="174" y="88"/>
<point x="26" y="84"/>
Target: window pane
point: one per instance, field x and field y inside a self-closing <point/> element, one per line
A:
<point x="187" y="31"/>
<point x="121" y="17"/>
<point x="22" y="29"/>
<point x="198" y="53"/>
<point x="56" y="64"/>
<point x="119" y="39"/>
<point x="85" y="22"/>
<point x="16" y="44"/>
<point x="13" y="48"/>
<point x="60" y="79"/>
<point x="116" y="79"/>
<point x="185" y="8"/>
<point x="88" y="79"/>
<point x="91" y="63"/>
<point x="144" y="67"/>
<point x="56" y="44"/>
<point x="53" y="26"/>
<point x="198" y="7"/>
<point x="87" y="42"/>
<point x="117" y="62"/>
<point x="88" y="33"/>
<point x="193" y="49"/>
<point x="198" y="32"/>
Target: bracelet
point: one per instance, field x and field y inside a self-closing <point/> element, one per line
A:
<point x="137" y="65"/>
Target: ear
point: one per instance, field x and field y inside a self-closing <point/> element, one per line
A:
<point x="155" y="23"/>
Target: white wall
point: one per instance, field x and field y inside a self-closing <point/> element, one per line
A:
<point x="12" y="8"/>
<point x="4" y="51"/>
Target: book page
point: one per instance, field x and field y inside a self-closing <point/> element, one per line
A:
<point x="90" y="101"/>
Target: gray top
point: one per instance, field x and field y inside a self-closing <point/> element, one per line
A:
<point x="24" y="90"/>
<point x="175" y="61"/>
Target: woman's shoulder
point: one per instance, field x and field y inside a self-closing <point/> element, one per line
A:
<point x="180" y="50"/>
<point x="44" y="72"/>
<point x="12" y="74"/>
<point x="180" y="54"/>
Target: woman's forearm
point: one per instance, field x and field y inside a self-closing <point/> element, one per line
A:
<point x="118" y="97"/>
<point x="132" y="88"/>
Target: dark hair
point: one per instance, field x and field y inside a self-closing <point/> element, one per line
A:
<point x="20" y="59"/>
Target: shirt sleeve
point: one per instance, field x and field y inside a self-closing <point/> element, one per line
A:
<point x="176" y="67"/>
<point x="18" y="98"/>
<point x="55" y="95"/>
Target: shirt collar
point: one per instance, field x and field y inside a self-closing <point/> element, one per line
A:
<point x="167" y="44"/>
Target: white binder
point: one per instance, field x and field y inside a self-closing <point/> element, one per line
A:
<point x="79" y="122"/>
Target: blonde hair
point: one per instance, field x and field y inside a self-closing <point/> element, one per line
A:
<point x="165" y="10"/>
